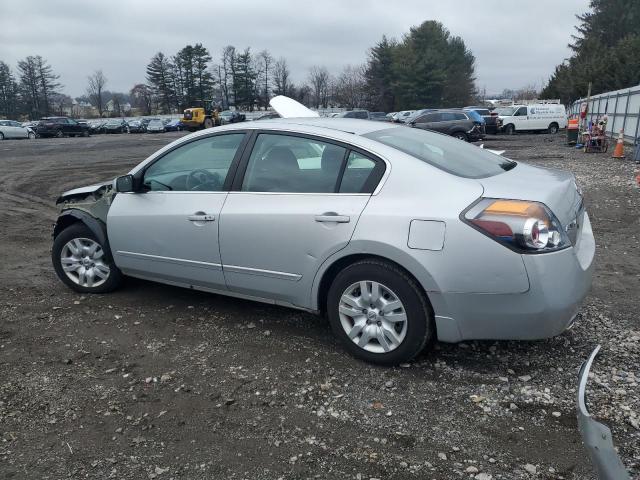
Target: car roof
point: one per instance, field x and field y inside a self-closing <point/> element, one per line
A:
<point x="347" y="125"/>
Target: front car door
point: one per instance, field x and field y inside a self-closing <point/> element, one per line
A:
<point x="169" y="231"/>
<point x="296" y="201"/>
<point x="520" y="119"/>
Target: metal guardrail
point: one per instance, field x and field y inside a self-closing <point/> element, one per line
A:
<point x="621" y="106"/>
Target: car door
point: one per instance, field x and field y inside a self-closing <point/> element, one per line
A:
<point x="520" y="120"/>
<point x="169" y="230"/>
<point x="290" y="209"/>
<point x="430" y="121"/>
<point x="19" y="130"/>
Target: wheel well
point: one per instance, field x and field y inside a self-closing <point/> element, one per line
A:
<point x="340" y="264"/>
<point x="554" y="123"/>
<point x="64" y="222"/>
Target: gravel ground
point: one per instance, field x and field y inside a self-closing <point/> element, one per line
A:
<point x="154" y="381"/>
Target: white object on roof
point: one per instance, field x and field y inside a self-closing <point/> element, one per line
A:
<point x="289" y="108"/>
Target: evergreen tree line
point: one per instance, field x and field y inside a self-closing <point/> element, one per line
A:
<point x="606" y="52"/>
<point x="428" y="68"/>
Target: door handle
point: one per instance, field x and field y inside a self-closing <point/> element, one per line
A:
<point x="332" y="217"/>
<point x="201" y="218"/>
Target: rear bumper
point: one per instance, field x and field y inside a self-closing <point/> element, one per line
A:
<point x="558" y="281"/>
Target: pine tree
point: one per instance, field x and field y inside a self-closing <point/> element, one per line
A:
<point x="379" y="75"/>
<point x="160" y="78"/>
<point x="9" y="95"/>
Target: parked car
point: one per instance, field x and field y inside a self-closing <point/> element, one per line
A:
<point x="389" y="117"/>
<point x="549" y="117"/>
<point x="399" y="235"/>
<point x="137" y="126"/>
<point x="401" y="117"/>
<point x="231" y="116"/>
<point x="30" y="124"/>
<point x="61" y="127"/>
<point x="156" y="125"/>
<point x="174" y="125"/>
<point x="267" y="116"/>
<point x="456" y="123"/>
<point x="12" y="129"/>
<point x="97" y="126"/>
<point x="361" y="114"/>
<point x="116" y="125"/>
<point x="377" y="116"/>
<point x="492" y="122"/>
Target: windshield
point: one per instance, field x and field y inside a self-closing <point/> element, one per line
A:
<point x="506" y="111"/>
<point x="155" y="122"/>
<point x="444" y="152"/>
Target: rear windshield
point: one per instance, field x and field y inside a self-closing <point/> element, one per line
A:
<point x="444" y="152"/>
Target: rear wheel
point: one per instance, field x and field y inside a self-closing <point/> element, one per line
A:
<point x="461" y="136"/>
<point x="85" y="133"/>
<point x="59" y="134"/>
<point x="208" y="123"/>
<point x="82" y="262"/>
<point x="32" y="135"/>
<point x="510" y="129"/>
<point x="379" y="313"/>
<point x="553" y="128"/>
<point x="1" y="136"/>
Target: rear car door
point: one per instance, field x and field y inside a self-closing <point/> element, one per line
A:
<point x="290" y="209"/>
<point x="169" y="231"/>
<point x="430" y="121"/>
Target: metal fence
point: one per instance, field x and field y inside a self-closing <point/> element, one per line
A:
<point x="622" y="108"/>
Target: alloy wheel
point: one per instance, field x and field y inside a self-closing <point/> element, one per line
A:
<point x="82" y="260"/>
<point x="373" y="316"/>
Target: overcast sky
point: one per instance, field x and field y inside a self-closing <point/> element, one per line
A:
<point x="515" y="43"/>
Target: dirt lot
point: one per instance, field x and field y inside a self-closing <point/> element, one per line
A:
<point x="160" y="382"/>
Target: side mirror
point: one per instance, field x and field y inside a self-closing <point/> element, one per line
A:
<point x="124" y="184"/>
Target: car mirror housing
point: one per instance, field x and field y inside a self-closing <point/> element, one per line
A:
<point x="124" y="184"/>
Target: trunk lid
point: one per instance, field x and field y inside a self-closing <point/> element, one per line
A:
<point x="555" y="188"/>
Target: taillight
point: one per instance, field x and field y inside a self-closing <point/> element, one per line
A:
<point x="525" y="226"/>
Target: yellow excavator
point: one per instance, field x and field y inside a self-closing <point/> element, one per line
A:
<point x="196" y="118"/>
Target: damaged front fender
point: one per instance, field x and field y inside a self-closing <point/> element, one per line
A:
<point x="595" y="435"/>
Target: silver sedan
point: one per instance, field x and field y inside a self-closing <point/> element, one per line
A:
<point x="399" y="236"/>
<point x="12" y="129"/>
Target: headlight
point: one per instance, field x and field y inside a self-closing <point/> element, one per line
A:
<point x="527" y="227"/>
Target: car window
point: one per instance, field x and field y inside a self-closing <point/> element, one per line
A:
<point x="444" y="152"/>
<point x="521" y="112"/>
<point x="4" y="124"/>
<point x="283" y="163"/>
<point x="358" y="170"/>
<point x="201" y="165"/>
<point x="462" y="116"/>
<point x="430" y="117"/>
<point x="362" y="115"/>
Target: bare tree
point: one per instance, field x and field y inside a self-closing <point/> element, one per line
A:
<point x="142" y="98"/>
<point x="266" y="70"/>
<point x="95" y="90"/>
<point x="227" y="73"/>
<point x="319" y="80"/>
<point x="281" y="77"/>
<point x="350" y="89"/>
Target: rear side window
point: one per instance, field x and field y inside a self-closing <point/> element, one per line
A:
<point x="461" y="116"/>
<point x="444" y="152"/>
<point x="358" y="170"/>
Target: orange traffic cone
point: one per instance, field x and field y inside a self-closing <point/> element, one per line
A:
<point x="618" y="152"/>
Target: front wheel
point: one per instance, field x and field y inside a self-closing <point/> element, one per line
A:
<point x="59" y="134"/>
<point x="379" y="313"/>
<point x="461" y="136"/>
<point x="208" y="123"/>
<point x="509" y="129"/>
<point x="32" y="136"/>
<point x="82" y="262"/>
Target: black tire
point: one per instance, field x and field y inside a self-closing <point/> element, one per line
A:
<point x="59" y="134"/>
<point x="420" y="322"/>
<point x="1" y="136"/>
<point x="510" y="129"/>
<point x="553" y="128"/>
<point x="461" y="136"/>
<point x="208" y="123"/>
<point x="79" y="230"/>
<point x="31" y="136"/>
<point x="85" y="133"/>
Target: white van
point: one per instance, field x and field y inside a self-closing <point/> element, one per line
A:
<point x="540" y="116"/>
